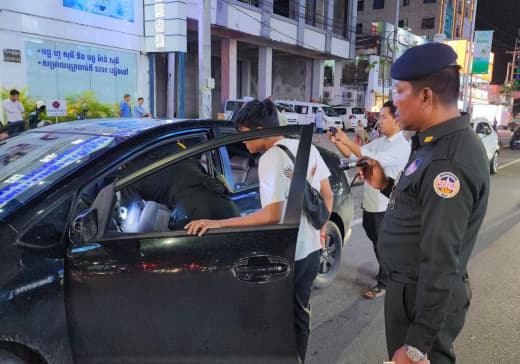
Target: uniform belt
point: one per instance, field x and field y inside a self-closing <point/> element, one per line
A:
<point x="404" y="279"/>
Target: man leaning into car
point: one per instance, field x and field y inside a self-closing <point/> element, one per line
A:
<point x="275" y="173"/>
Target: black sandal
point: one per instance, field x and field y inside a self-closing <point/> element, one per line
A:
<point x="375" y="292"/>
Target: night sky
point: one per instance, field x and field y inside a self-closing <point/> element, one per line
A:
<point x="502" y="16"/>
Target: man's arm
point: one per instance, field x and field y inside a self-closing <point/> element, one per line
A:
<point x="270" y="214"/>
<point x="444" y="218"/>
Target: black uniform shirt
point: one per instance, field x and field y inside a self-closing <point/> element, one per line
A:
<point x="434" y="214"/>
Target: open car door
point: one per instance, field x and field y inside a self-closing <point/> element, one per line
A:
<point x="166" y="296"/>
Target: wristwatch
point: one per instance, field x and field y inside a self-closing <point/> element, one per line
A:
<point x="414" y="354"/>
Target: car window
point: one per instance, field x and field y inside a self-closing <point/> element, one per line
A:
<point x="300" y="109"/>
<point x="285" y="107"/>
<point x="330" y="111"/>
<point x="32" y="162"/>
<point x="314" y="110"/>
<point x="483" y="128"/>
<point x="357" y="110"/>
<point x="233" y="105"/>
<point x="341" y="110"/>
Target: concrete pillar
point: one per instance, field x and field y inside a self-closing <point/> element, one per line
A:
<point x="170" y="88"/>
<point x="329" y="16"/>
<point x="338" y="74"/>
<point x="267" y="11"/>
<point x="300" y="18"/>
<point x="228" y="69"/>
<point x="308" y="79"/>
<point x="204" y="34"/>
<point x="318" y="75"/>
<point x="245" y="78"/>
<point x="265" y="72"/>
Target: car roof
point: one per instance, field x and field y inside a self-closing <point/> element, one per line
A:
<point x="125" y="128"/>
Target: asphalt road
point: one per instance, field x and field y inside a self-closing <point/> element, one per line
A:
<point x="347" y="328"/>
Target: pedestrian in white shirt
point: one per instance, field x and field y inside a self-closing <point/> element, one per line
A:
<point x="14" y="110"/>
<point x="275" y="170"/>
<point x="392" y="152"/>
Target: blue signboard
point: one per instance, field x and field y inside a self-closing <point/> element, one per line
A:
<point x="118" y="9"/>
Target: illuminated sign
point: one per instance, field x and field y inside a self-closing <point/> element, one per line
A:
<point x="461" y="47"/>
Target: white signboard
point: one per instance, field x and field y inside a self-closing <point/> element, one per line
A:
<point x="56" y="108"/>
<point x="165" y="25"/>
<point x="482" y="51"/>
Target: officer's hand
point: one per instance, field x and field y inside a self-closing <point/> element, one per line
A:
<point x="373" y="174"/>
<point x="201" y="226"/>
<point x="400" y="357"/>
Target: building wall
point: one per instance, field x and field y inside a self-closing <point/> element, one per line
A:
<point x="33" y="27"/>
<point x="289" y="74"/>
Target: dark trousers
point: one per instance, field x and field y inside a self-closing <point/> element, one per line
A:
<point x="372" y="224"/>
<point x="399" y="314"/>
<point x="305" y="271"/>
<point x="15" y="127"/>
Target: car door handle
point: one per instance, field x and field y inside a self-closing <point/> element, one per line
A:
<point x="261" y="268"/>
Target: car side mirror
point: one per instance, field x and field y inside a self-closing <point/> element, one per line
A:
<point x="90" y="225"/>
<point x="84" y="227"/>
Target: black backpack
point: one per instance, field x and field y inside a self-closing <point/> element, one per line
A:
<point x="314" y="205"/>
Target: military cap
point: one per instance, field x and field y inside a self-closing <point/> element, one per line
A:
<point x="423" y="60"/>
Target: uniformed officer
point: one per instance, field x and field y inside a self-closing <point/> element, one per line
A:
<point x="436" y="208"/>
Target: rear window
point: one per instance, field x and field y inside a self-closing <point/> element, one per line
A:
<point x="357" y="110"/>
<point x="330" y="111"/>
<point x="285" y="107"/>
<point x="234" y="105"/>
<point x="32" y="162"/>
<point x="300" y="109"/>
<point x="341" y="110"/>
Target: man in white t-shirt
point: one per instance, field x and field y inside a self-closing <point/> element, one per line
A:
<point x="14" y="110"/>
<point x="275" y="170"/>
<point x="392" y="151"/>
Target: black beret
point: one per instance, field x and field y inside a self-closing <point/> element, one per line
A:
<point x="423" y="60"/>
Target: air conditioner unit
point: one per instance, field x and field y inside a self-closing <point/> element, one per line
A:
<point x="326" y="94"/>
<point x="349" y="95"/>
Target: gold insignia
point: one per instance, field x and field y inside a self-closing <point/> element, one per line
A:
<point x="428" y="139"/>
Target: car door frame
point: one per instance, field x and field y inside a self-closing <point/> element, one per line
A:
<point x="292" y="216"/>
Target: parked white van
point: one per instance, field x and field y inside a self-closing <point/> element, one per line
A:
<point x="351" y="116"/>
<point x="307" y="110"/>
<point x="233" y="105"/>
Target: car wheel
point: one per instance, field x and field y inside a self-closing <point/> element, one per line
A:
<point x="330" y="259"/>
<point x="493" y="168"/>
<point x="8" y="358"/>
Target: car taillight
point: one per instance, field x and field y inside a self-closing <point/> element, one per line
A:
<point x="352" y="117"/>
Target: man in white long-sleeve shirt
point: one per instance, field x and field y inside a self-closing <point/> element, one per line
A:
<point x="392" y="151"/>
<point x="14" y="110"/>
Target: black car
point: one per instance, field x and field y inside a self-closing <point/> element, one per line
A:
<point x="514" y="143"/>
<point x="86" y="279"/>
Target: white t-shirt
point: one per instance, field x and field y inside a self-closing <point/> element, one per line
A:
<point x="275" y="170"/>
<point x="392" y="153"/>
<point x="13" y="110"/>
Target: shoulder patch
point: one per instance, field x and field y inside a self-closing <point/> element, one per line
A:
<point x="446" y="185"/>
<point x="412" y="167"/>
<point x="428" y="139"/>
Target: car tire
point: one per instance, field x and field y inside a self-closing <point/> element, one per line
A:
<point x="493" y="165"/>
<point x="8" y="358"/>
<point x="330" y="259"/>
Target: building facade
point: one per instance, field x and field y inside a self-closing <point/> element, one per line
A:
<point x="453" y="18"/>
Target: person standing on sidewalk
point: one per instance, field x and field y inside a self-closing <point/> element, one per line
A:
<point x="138" y="110"/>
<point x="437" y="205"/>
<point x="319" y="120"/>
<point x="14" y="110"/>
<point x="275" y="170"/>
<point x="124" y="107"/>
<point x="392" y="152"/>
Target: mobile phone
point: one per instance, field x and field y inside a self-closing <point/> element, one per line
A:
<point x="333" y="130"/>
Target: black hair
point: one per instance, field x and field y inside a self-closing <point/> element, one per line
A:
<point x="390" y="105"/>
<point x="444" y="83"/>
<point x="140" y="98"/>
<point x="126" y="95"/>
<point x="14" y="92"/>
<point x="257" y="114"/>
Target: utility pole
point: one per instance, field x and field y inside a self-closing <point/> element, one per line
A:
<point x="467" y="84"/>
<point x="394" y="50"/>
<point x="515" y="54"/>
<point x="206" y="83"/>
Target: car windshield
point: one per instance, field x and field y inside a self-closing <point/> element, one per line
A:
<point x="330" y="111"/>
<point x="234" y="105"/>
<point x="357" y="110"/>
<point x="32" y="162"/>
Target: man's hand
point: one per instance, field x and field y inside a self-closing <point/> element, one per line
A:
<point x="201" y="226"/>
<point x="400" y="357"/>
<point x="373" y="174"/>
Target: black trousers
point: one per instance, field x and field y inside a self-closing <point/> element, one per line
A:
<point x="305" y="271"/>
<point x="15" y="127"/>
<point x="372" y="224"/>
<point x="399" y="314"/>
